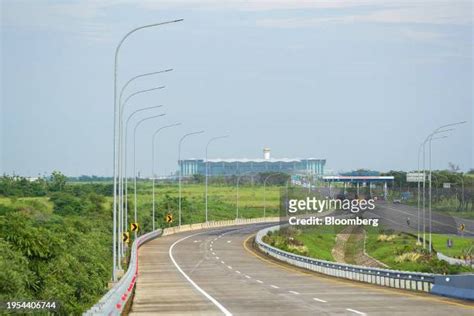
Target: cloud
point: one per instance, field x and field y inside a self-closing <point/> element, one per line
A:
<point x="436" y="14"/>
<point x="87" y="18"/>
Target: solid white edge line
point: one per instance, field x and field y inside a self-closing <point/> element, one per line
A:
<point x="209" y="297"/>
<point x="354" y="311"/>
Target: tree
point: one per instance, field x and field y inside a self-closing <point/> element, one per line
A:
<point x="57" y="181"/>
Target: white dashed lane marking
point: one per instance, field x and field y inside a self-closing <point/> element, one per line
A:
<point x="355" y="311"/>
<point x="209" y="297"/>
<point x="319" y="300"/>
<point x="274" y="286"/>
<point x="259" y="281"/>
<point x="294" y="292"/>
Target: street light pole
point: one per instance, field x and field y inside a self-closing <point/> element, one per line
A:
<point x="115" y="144"/>
<point x="134" y="164"/>
<point x="440" y="129"/>
<point x="429" y="192"/>
<point x="122" y="105"/>
<point x="180" y="169"/>
<point x="125" y="220"/>
<point x="122" y="213"/>
<point x="207" y="168"/>
<point x="153" y="166"/>
<point x="264" y="194"/>
<point x="238" y="180"/>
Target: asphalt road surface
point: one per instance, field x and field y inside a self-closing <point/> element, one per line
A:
<point x="216" y="272"/>
<point x="395" y="216"/>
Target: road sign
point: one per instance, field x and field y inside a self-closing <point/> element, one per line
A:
<point x="414" y="177"/>
<point x="169" y="218"/>
<point x="446" y="185"/>
<point x="134" y="227"/>
<point x="126" y="237"/>
<point x="462" y="227"/>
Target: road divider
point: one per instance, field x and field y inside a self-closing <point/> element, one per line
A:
<point x="458" y="286"/>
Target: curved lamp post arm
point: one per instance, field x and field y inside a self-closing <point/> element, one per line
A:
<point x="122" y="106"/>
<point x="138" y="77"/>
<point x="153" y="144"/>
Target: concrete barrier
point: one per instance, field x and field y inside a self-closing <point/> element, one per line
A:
<point x="458" y="286"/>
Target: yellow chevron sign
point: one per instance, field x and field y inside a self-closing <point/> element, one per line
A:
<point x="169" y="218"/>
<point x="134" y="227"/>
<point x="126" y="237"/>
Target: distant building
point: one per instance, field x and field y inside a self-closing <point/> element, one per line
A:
<point x="227" y="167"/>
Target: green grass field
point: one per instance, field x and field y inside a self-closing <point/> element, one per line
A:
<point x="401" y="252"/>
<point x="460" y="246"/>
<point x="319" y="241"/>
<point x="397" y="250"/>
<point x="222" y="203"/>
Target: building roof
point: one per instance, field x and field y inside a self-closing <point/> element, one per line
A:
<point x="231" y="160"/>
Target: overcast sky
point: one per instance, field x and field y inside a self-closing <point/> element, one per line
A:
<point x="357" y="82"/>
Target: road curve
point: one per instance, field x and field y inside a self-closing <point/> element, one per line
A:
<point x="215" y="272"/>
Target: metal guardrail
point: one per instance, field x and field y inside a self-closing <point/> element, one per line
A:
<point x="384" y="277"/>
<point x="114" y="301"/>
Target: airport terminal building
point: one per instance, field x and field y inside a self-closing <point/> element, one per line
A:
<point x="228" y="167"/>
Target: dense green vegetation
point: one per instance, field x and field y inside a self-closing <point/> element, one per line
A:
<point x="54" y="242"/>
<point x="55" y="234"/>
<point x="400" y="251"/>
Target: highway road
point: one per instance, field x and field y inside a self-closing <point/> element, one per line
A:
<point x="216" y="272"/>
<point x="395" y="216"/>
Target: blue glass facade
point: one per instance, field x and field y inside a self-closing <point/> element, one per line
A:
<point x="227" y="167"/>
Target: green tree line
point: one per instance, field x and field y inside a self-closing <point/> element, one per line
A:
<point x="54" y="241"/>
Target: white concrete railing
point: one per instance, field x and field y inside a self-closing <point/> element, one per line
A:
<point x="115" y="300"/>
<point x="384" y="277"/>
